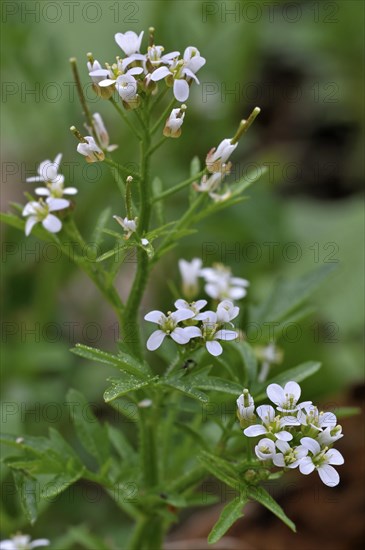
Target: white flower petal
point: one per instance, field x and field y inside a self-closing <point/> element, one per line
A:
<point x="155" y="340"/>
<point x="181" y="315"/>
<point x="180" y="336"/>
<point x="181" y="304"/>
<point x="266" y="413"/>
<point x="253" y="431"/>
<point x="52" y="224"/>
<point x="70" y="191"/>
<point x="29" y="224"/>
<point x="160" y="73"/>
<point x="278" y="460"/>
<point x="283" y="446"/>
<point x="328" y="475"/>
<point x="306" y="466"/>
<point x="311" y="444"/>
<point x="214" y="347"/>
<point x="155" y="316"/>
<point x="275" y="393"/>
<point x="34" y="179"/>
<point x="199" y="304"/>
<point x="57" y="204"/>
<point x="39" y="542"/>
<point x="42" y="192"/>
<point x="294" y="389"/>
<point x="226" y="335"/>
<point x="284" y="435"/>
<point x="193" y="332"/>
<point x="335" y="457"/>
<point x="181" y="89"/>
<point x="107" y="82"/>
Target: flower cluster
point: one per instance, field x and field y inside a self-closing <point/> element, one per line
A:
<point x="218" y="168"/>
<point x="295" y="434"/>
<point x="206" y="326"/>
<point x="22" y="542"/>
<point x="219" y="282"/>
<point x="136" y="74"/>
<point x="51" y="197"/>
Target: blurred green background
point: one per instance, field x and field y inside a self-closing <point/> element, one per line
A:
<point x="302" y="64"/>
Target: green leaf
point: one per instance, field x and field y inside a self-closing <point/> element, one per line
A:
<point x="120" y="386"/>
<point x="91" y="434"/>
<point x="297" y="374"/>
<point x="259" y="494"/>
<point x="229" y="515"/>
<point x="121" y="444"/>
<point x="221" y="469"/>
<point x="191" y="432"/>
<point x="288" y="295"/>
<point x="102" y="220"/>
<point x="59" y="484"/>
<point x="122" y="361"/>
<point x="185" y="387"/>
<point x="214" y="383"/>
<point x="116" y="251"/>
<point x="249" y="360"/>
<point x="27" y="489"/>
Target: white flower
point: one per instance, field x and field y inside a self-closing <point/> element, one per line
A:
<point x="168" y="327"/>
<point x="286" y="399"/>
<point x="92" y="68"/>
<point x="41" y="212"/>
<point x="209" y="184"/>
<point x="129" y="226"/>
<point x="195" y="307"/>
<point x="102" y="133"/>
<point x="226" y="311"/>
<point x="48" y="172"/>
<point x="145" y="242"/>
<point x="129" y="42"/>
<point x="182" y="72"/>
<point x="90" y="150"/>
<point x="211" y="332"/>
<point x="265" y="449"/>
<point x="126" y="86"/>
<point x="124" y="82"/>
<point x="154" y="55"/>
<point x="329" y="435"/>
<point x="174" y="122"/>
<point x="189" y="273"/>
<point x="221" y="284"/>
<point x="288" y="457"/>
<point x="315" y="419"/>
<point x="218" y="157"/>
<point x="271" y="424"/>
<point x="246" y="407"/>
<point x="321" y="460"/>
<point x="22" y="542"/>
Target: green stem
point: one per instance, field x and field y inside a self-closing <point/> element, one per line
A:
<point x="120" y="167"/>
<point x="125" y="118"/>
<point x="157" y="145"/>
<point x="179" y="186"/>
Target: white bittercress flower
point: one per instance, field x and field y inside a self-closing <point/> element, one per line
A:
<point x="182" y="72"/>
<point x="313" y="418"/>
<point x="329" y="435"/>
<point x="286" y="399"/>
<point x="265" y="449"/>
<point x="211" y="331"/>
<point x="174" y="122"/>
<point x="195" y="307"/>
<point x="216" y="158"/>
<point x="246" y="408"/>
<point x="322" y="460"/>
<point x="155" y="57"/>
<point x="129" y="42"/>
<point x="289" y="457"/>
<point x="90" y="150"/>
<point x="40" y="212"/>
<point x="190" y="272"/>
<point x="129" y="226"/>
<point x="22" y="542"/>
<point x="220" y="284"/>
<point x="169" y="327"/>
<point x="271" y="424"/>
<point x="48" y="172"/>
